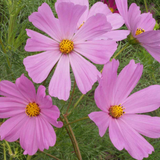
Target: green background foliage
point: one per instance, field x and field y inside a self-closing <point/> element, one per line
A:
<point x="13" y="22"/>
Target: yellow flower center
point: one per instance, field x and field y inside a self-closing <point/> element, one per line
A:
<point x="32" y="109"/>
<point x="116" y="111"/>
<point x="66" y="46"/>
<point x="139" y="31"/>
<point x="81" y="25"/>
<point x="112" y="10"/>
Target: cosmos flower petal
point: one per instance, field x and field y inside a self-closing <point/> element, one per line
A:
<point x="99" y="7"/>
<point x="133" y="17"/>
<point x="26" y="88"/>
<point x="116" y="20"/>
<point x="104" y="91"/>
<point x="60" y="84"/>
<point x="11" y="128"/>
<point x="9" y="107"/>
<point x="68" y="15"/>
<point x="9" y="89"/>
<point x="146" y="22"/>
<point x="28" y="139"/>
<point x="101" y="119"/>
<point x="115" y="134"/>
<point x="39" y="42"/>
<point x="45" y="21"/>
<point x="122" y="6"/>
<point x="41" y="64"/>
<point x="85" y="72"/>
<point x="126" y="81"/>
<point x="92" y="28"/>
<point x="144" y="124"/>
<point x="51" y="115"/>
<point x="44" y="100"/>
<point x="116" y="35"/>
<point x="98" y="51"/>
<point x="80" y="2"/>
<point x="135" y="144"/>
<point x="145" y="100"/>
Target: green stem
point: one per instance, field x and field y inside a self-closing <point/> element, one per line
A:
<point x="9" y="148"/>
<point x="145" y="3"/>
<point x="4" y="151"/>
<point x="76" y="121"/>
<point x="74" y="139"/>
<point x="70" y="136"/>
<point x="71" y="97"/>
<point x="49" y="155"/>
<point x="29" y="157"/>
<point x="76" y="103"/>
<point x="120" y="51"/>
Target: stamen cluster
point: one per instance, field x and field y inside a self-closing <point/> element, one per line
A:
<point x="116" y="111"/>
<point x="32" y="109"/>
<point x="66" y="46"/>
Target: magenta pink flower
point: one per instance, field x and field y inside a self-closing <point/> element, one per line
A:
<point x="141" y="27"/>
<point x="121" y="113"/>
<point x="114" y="19"/>
<point x="112" y="5"/>
<point x="66" y="47"/>
<point x="30" y="115"/>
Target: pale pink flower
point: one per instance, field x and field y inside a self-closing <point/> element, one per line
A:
<point x="141" y="27"/>
<point x="114" y="19"/>
<point x="121" y="113"/>
<point x="66" y="47"/>
<point x="30" y="115"/>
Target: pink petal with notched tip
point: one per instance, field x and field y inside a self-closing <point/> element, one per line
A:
<point x="26" y="88"/>
<point x="145" y="100"/>
<point x="115" y="35"/>
<point x="51" y="115"/>
<point x="101" y="119"/>
<point x="39" y="42"/>
<point x="85" y="72"/>
<point x="84" y="16"/>
<point x="126" y="81"/>
<point x="104" y="92"/>
<point x="68" y="15"/>
<point x="144" y="124"/>
<point x="116" y="20"/>
<point x="10" y="130"/>
<point x="60" y="83"/>
<point x="92" y="28"/>
<point x="39" y="66"/>
<point x="45" y="21"/>
<point x="135" y="144"/>
<point x="43" y="100"/>
<point x="98" y="51"/>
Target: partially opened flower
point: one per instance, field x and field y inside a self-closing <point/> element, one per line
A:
<point x="141" y="27"/>
<point x="114" y="19"/>
<point x="30" y="115"/>
<point x="112" y="5"/>
<point x="122" y="113"/>
<point x="66" y="47"/>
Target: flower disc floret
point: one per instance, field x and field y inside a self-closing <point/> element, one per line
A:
<point x="116" y="111"/>
<point x="32" y="109"/>
<point x="66" y="46"/>
<point x="139" y="31"/>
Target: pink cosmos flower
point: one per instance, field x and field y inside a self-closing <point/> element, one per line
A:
<point x="30" y="115"/>
<point x="141" y="27"/>
<point x="112" y="5"/>
<point x="114" y="19"/>
<point x="66" y="47"/>
<point x="121" y="113"/>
